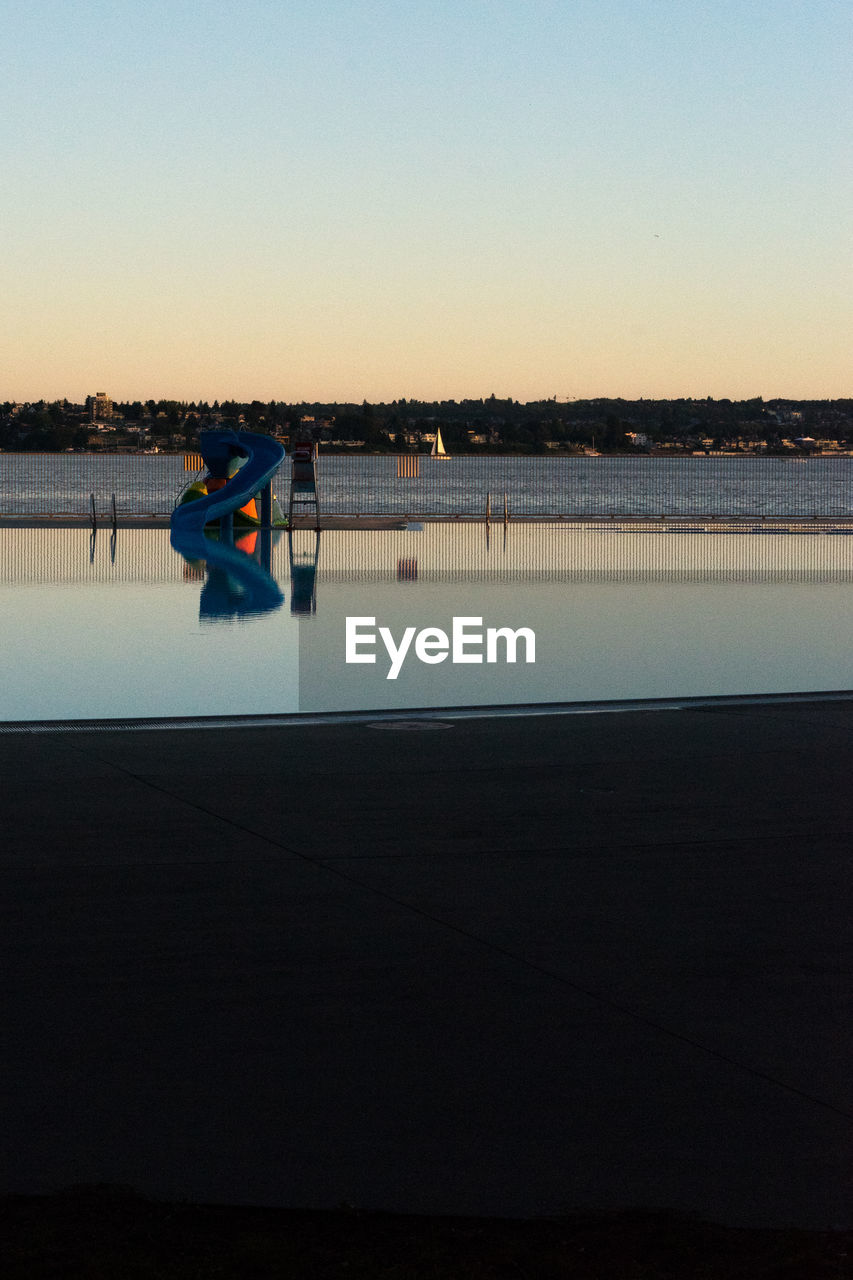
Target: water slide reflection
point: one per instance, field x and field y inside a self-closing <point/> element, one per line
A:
<point x="239" y="583"/>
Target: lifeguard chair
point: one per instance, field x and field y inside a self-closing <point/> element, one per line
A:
<point x="303" y="480"/>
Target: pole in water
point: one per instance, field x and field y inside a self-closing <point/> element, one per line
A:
<point x="115" y="517"/>
<point x="93" y="515"/>
<point x="506" y="510"/>
<point x="488" y="508"/>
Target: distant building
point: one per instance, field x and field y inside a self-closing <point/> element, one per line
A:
<point x="99" y="407"/>
<point x="788" y="415"/>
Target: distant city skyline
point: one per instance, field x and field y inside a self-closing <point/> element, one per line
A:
<point x="101" y="404"/>
<point x="432" y="201"/>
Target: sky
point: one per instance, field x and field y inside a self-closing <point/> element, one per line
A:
<point x="367" y="199"/>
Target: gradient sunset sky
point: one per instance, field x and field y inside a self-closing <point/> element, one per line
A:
<point x="359" y="199"/>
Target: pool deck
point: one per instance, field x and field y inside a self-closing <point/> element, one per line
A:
<point x="690" y="523"/>
<point x="486" y="964"/>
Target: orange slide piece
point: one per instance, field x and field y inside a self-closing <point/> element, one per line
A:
<point x="213" y="484"/>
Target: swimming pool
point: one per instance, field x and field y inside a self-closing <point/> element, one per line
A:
<point x="125" y="627"/>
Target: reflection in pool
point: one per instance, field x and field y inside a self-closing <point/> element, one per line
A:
<point x="239" y="579"/>
<point x="144" y="628"/>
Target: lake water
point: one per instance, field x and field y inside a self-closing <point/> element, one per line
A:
<point x="32" y="484"/>
<point x="128" y="626"/>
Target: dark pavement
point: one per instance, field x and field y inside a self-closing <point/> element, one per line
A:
<point x="509" y="966"/>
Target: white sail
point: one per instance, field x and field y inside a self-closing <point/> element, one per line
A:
<point x="438" y="450"/>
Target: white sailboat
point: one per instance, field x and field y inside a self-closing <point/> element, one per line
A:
<point x="438" y="450"/>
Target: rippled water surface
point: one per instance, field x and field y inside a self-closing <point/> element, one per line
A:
<point x="34" y="484"/>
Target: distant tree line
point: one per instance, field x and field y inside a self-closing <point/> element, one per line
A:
<point x="489" y="425"/>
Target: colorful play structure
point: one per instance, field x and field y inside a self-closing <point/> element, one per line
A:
<point x="238" y="486"/>
<point x="226" y="522"/>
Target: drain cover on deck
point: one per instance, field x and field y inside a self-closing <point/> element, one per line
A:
<point x="410" y="724"/>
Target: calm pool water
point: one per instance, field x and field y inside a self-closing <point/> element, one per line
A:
<point x="135" y="627"/>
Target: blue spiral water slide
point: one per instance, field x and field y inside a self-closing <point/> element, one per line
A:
<point x="218" y="449"/>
